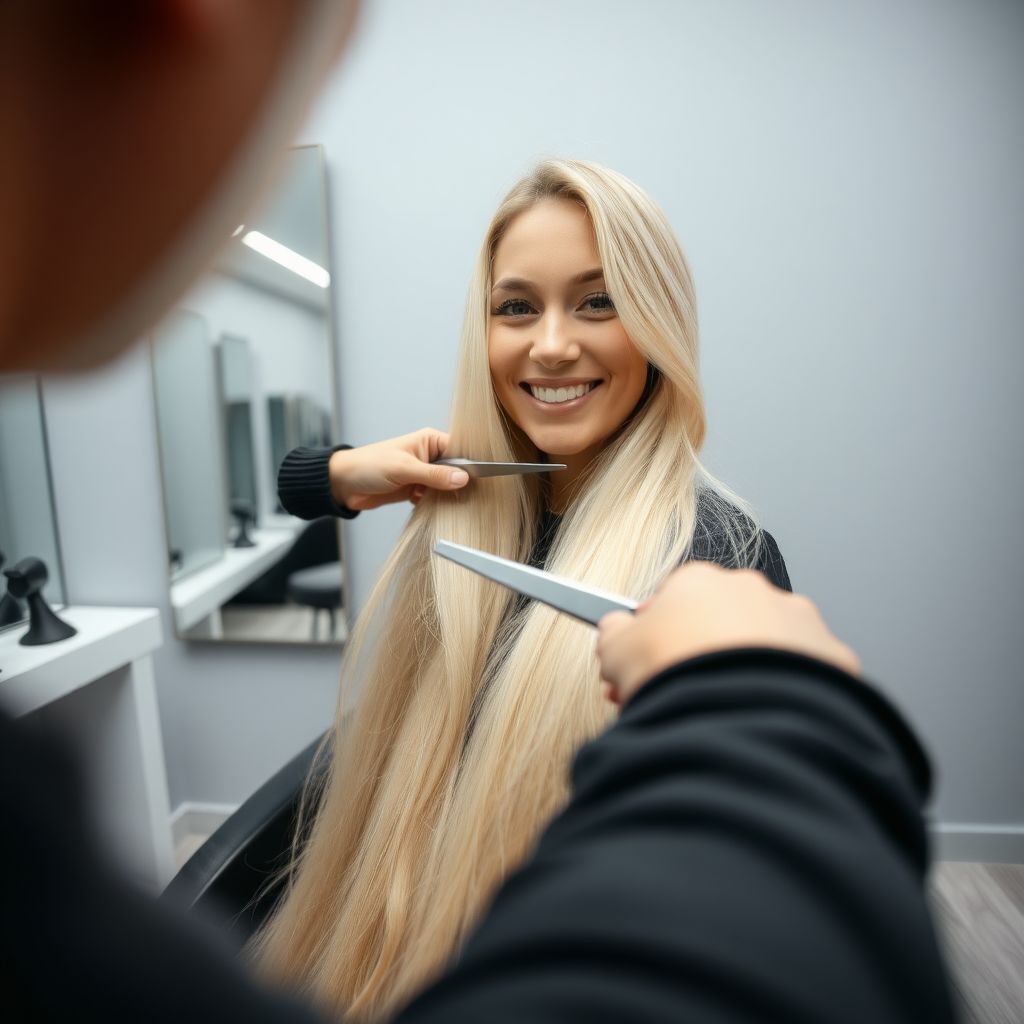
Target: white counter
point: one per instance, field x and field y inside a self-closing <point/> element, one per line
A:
<point x="199" y="596"/>
<point x="96" y="689"/>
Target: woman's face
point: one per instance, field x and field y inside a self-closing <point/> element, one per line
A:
<point x="562" y="366"/>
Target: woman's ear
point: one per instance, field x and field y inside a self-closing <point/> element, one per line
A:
<point x="653" y="376"/>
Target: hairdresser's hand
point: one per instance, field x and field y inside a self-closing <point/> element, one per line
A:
<point x="702" y="608"/>
<point x="395" y="470"/>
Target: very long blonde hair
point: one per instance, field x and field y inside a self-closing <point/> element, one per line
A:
<point x="470" y="709"/>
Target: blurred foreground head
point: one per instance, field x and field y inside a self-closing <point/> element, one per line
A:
<point x="136" y="135"/>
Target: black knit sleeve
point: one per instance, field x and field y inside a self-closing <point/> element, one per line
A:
<point x="304" y="486"/>
<point x="746" y="844"/>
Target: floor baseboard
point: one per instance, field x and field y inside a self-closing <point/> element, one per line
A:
<point x="985" y="844"/>
<point x="196" y="818"/>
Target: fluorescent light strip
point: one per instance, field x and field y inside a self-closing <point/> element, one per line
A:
<point x="287" y="258"/>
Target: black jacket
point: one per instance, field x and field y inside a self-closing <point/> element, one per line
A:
<point x="744" y="844"/>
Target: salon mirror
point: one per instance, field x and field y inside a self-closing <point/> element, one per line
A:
<point x="28" y="526"/>
<point x="243" y="372"/>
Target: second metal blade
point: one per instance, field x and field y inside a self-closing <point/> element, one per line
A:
<point x="577" y="599"/>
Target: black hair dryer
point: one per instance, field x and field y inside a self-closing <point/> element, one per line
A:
<point x="11" y="612"/>
<point x="26" y="581"/>
<point x="245" y="514"/>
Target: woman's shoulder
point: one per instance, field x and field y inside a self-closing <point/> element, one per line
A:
<point x="725" y="534"/>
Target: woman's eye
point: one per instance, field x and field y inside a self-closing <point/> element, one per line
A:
<point x="599" y="303"/>
<point x="515" y="307"/>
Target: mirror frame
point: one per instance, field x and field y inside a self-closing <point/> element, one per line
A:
<point x="332" y="369"/>
<point x="57" y="567"/>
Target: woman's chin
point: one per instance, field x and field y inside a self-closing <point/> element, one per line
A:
<point x="558" y="447"/>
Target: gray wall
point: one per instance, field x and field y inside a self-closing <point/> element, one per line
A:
<point x="845" y="178"/>
<point x="188" y="416"/>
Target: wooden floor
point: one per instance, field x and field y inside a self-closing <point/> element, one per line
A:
<point x="979" y="911"/>
<point x="280" y="623"/>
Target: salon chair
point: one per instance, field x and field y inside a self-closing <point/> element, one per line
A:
<point x="318" y="588"/>
<point x="317" y="544"/>
<point x="235" y="878"/>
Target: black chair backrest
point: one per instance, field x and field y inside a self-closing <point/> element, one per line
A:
<point x="317" y="544"/>
<point x="235" y="878"/>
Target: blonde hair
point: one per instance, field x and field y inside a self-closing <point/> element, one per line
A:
<point x="471" y="707"/>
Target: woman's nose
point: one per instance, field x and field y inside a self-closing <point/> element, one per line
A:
<point x="553" y="344"/>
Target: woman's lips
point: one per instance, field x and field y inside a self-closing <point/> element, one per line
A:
<point x="555" y="397"/>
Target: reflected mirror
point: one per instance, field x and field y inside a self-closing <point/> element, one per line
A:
<point x="28" y="526"/>
<point x="243" y="372"/>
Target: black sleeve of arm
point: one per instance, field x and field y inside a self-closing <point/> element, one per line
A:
<point x="304" y="485"/>
<point x="744" y="845"/>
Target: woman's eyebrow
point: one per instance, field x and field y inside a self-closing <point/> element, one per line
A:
<point x="507" y="284"/>
<point x="588" y="275"/>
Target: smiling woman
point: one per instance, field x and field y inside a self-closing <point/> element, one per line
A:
<point x="579" y="344"/>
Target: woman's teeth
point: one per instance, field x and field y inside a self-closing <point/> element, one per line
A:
<point x="562" y="394"/>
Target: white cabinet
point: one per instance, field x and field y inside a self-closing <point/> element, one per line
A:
<point x="97" y="690"/>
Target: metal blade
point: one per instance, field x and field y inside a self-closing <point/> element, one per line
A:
<point x="476" y="468"/>
<point x="577" y="599"/>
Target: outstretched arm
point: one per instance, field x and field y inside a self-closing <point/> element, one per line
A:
<point x="344" y="481"/>
<point x="745" y="844"/>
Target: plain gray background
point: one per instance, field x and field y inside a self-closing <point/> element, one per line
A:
<point x="846" y="180"/>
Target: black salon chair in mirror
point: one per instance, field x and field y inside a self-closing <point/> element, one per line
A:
<point x="307" y="578"/>
<point x="319" y="589"/>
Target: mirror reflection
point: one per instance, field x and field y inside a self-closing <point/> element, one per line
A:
<point x="28" y="527"/>
<point x="243" y="373"/>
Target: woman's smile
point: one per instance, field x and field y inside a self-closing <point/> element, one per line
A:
<point x="559" y="396"/>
